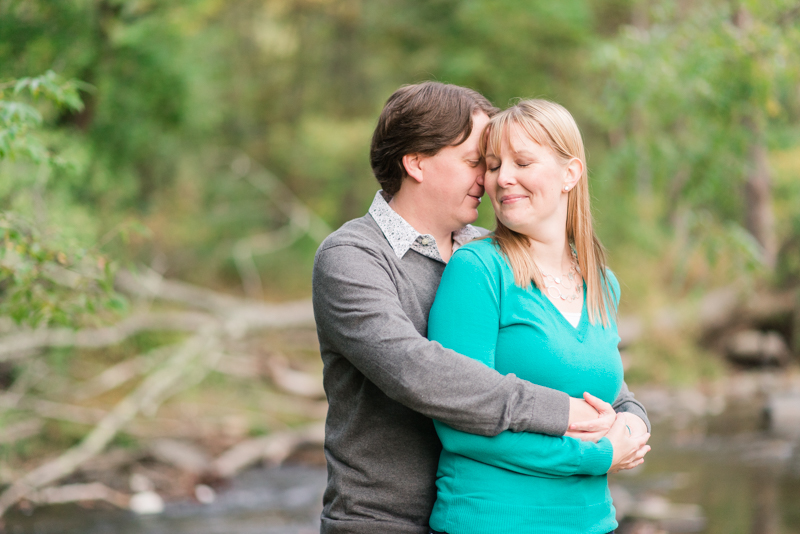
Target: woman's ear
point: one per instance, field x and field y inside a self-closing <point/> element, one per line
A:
<point x="574" y="171"/>
<point x="413" y="165"/>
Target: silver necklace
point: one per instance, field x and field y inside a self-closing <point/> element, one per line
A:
<point x="570" y="283"/>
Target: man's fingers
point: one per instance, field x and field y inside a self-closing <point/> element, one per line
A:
<point x="637" y="463"/>
<point x="642" y="440"/>
<point x="632" y="464"/>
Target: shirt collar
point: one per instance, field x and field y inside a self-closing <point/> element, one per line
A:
<point x="402" y="236"/>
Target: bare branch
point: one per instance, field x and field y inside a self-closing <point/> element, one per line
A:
<point x="292" y="381"/>
<point x="20" y="431"/>
<point x="240" y="315"/>
<point x="120" y="373"/>
<point x="14" y="345"/>
<point x="277" y="369"/>
<point x="80" y="492"/>
<point x="273" y="449"/>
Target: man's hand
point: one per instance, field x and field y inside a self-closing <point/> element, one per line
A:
<point x="635" y="423"/>
<point x="591" y="418"/>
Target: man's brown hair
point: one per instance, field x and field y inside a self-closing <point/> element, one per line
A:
<point x="421" y="119"/>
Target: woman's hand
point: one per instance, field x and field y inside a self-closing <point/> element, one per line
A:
<point x="629" y="450"/>
<point x="589" y="419"/>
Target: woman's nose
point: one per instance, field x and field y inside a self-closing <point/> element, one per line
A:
<point x="505" y="176"/>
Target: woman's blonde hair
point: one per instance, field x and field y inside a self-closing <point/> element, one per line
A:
<point x="550" y="125"/>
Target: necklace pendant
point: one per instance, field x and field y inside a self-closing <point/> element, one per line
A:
<point x="557" y="279"/>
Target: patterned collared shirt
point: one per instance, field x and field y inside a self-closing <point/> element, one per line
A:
<point x="402" y="236"/>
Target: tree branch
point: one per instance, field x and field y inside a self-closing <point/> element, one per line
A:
<point x="14" y="345"/>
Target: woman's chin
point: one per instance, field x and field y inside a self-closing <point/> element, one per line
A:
<point x="513" y="224"/>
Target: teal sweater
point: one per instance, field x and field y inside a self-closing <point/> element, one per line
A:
<point x="521" y="482"/>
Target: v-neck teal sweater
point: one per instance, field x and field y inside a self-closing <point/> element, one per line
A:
<point x="522" y="482"/>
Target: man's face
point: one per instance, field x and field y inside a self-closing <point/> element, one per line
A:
<point x="453" y="178"/>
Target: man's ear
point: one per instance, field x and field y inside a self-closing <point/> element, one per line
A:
<point x="413" y="165"/>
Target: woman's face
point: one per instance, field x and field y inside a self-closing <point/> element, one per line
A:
<point x="525" y="182"/>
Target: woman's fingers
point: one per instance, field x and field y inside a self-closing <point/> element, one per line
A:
<point x="601" y="423"/>
<point x="602" y="407"/>
<point x="581" y="411"/>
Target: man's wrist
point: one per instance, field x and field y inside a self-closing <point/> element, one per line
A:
<point x="635" y="423"/>
<point x="551" y="412"/>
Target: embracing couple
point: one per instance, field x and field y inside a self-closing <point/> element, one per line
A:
<point x="473" y="378"/>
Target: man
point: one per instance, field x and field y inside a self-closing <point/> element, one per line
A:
<point x="374" y="283"/>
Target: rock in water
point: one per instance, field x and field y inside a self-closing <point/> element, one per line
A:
<point x="783" y="414"/>
<point x="205" y="494"/>
<point x="756" y="348"/>
<point x="147" y="502"/>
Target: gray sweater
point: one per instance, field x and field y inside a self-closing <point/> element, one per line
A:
<point x="385" y="382"/>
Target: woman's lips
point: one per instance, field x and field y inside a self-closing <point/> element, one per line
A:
<point x="510" y="199"/>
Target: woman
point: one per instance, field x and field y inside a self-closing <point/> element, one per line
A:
<point x="534" y="299"/>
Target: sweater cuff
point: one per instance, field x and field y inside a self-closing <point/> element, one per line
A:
<point x="550" y="413"/>
<point x="596" y="458"/>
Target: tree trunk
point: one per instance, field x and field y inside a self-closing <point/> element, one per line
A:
<point x="758" y="195"/>
<point x="758" y="188"/>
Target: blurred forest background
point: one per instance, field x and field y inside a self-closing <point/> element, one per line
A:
<point x="217" y="143"/>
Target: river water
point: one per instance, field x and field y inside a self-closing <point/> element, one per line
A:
<point x="721" y="474"/>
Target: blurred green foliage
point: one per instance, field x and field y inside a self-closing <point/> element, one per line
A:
<point x="673" y="97"/>
<point x="44" y="278"/>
